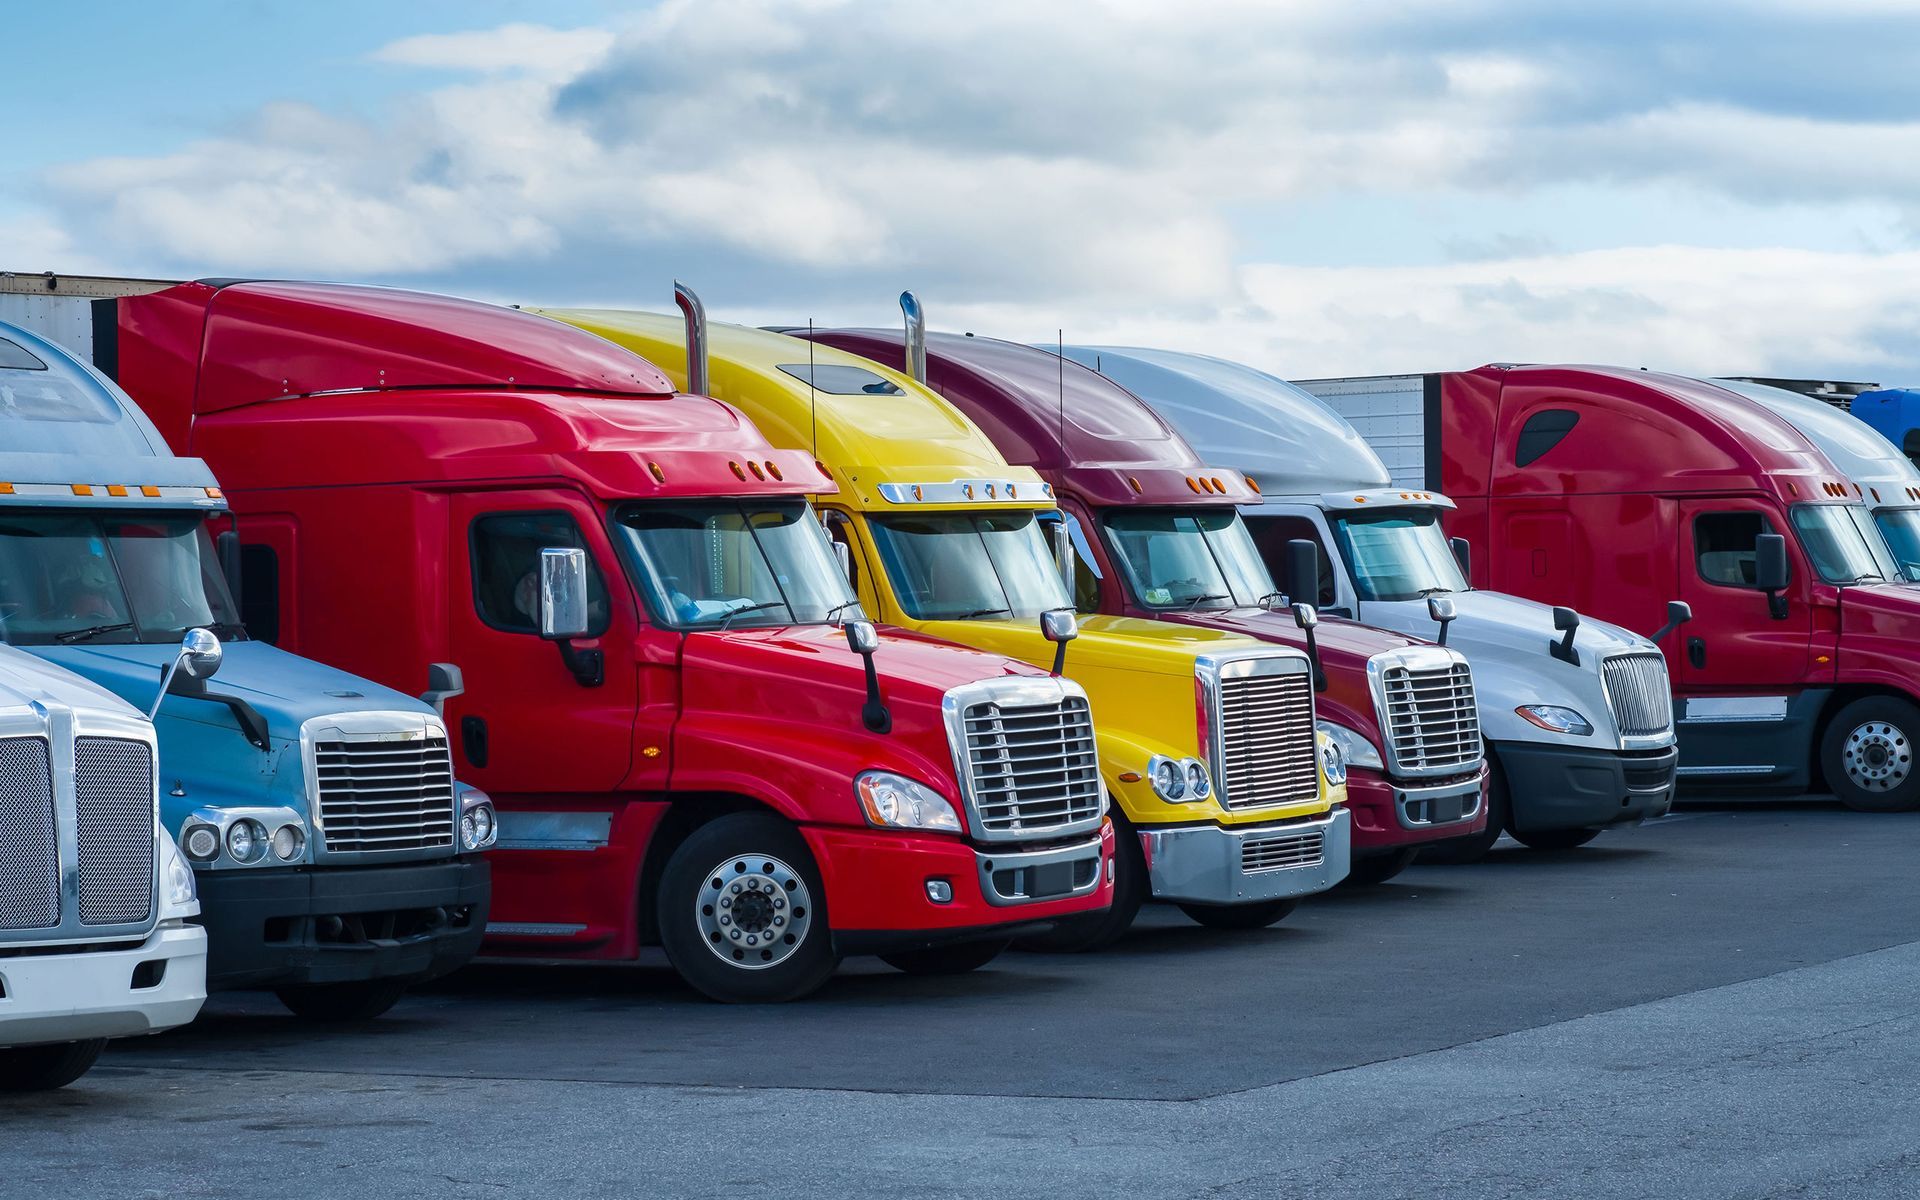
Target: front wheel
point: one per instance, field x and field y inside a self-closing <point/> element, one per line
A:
<point x="1554" y="839"/>
<point x="43" y="1068"/>
<point x="743" y="913"/>
<point x="1240" y="916"/>
<point x="947" y="960"/>
<point x="1868" y="755"/>
<point x="1378" y="868"/>
<point x="344" y="1001"/>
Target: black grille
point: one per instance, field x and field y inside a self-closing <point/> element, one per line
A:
<point x="29" y="854"/>
<point x="113" y="803"/>
<point x="378" y="795"/>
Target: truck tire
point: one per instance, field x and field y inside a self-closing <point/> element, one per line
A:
<point x="1868" y="756"/>
<point x="1378" y="868"/>
<point x="1554" y="839"/>
<point x="1240" y="916"/>
<point x="743" y="914"/>
<point x="947" y="960"/>
<point x="1474" y="846"/>
<point x="342" y="1002"/>
<point x="43" y="1068"/>
<point x="1096" y="931"/>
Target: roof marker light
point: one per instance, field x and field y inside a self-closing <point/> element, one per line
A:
<point x="1406" y="495"/>
<point x="1792" y="490"/>
<point x="738" y="471"/>
<point x="755" y="468"/>
<point x="1254" y="484"/>
<point x="822" y="468"/>
<point x="989" y="491"/>
<point x="6" y="489"/>
<point x="773" y="469"/>
<point x="148" y="490"/>
<point x="116" y="489"/>
<point x="1857" y="491"/>
<point x="1048" y="489"/>
<point x="215" y="494"/>
<point x="968" y="489"/>
<point x="659" y="476"/>
<point x="82" y="489"/>
<point x="1218" y="486"/>
<point x="1013" y="493"/>
<point x="1876" y="494"/>
<point x="1359" y="499"/>
<point x="1131" y="482"/>
<point x="917" y="493"/>
<point x="1192" y="485"/>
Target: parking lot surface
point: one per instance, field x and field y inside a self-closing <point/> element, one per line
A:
<point x="1722" y="1003"/>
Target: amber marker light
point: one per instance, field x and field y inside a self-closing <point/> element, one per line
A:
<point x="1131" y="482"/>
<point x="216" y="494"/>
<point x="755" y="468"/>
<point x="659" y="476"/>
<point x="6" y="489"/>
<point x="773" y="469"/>
<point x="1129" y="777"/>
<point x="1192" y="486"/>
<point x="1254" y="484"/>
<point x="738" y="471"/>
<point x="86" y="489"/>
<point x="148" y="490"/>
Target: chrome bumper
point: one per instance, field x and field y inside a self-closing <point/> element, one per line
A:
<point x="1030" y="876"/>
<point x="1208" y="864"/>
<point x="1414" y="806"/>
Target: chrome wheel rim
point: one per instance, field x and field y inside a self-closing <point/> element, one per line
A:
<point x="753" y="911"/>
<point x="1877" y="757"/>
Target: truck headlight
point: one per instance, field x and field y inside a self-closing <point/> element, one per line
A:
<point x="1198" y="785"/>
<point x="1356" y="749"/>
<point x="479" y="824"/>
<point x="898" y="802"/>
<point x="178" y="895"/>
<point x="247" y="840"/>
<point x="201" y="842"/>
<point x="1333" y="760"/>
<point x="1555" y="719"/>
<point x="289" y="842"/>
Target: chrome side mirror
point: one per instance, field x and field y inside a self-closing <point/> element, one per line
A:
<point x="199" y="657"/>
<point x="1059" y="626"/>
<point x="563" y="594"/>
<point x="1065" y="558"/>
<point x="1441" y="609"/>
<point x="862" y="638"/>
<point x="1306" y="616"/>
<point x="843" y="554"/>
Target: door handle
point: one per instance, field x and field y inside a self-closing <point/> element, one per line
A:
<point x="473" y="740"/>
<point x="1697" y="652"/>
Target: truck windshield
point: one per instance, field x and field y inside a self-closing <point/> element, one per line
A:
<point x="959" y="566"/>
<point x="109" y="577"/>
<point x="1842" y="543"/>
<point x="733" y="565"/>
<point x="1176" y="558"/>
<point x="1397" y="554"/>
<point x="1901" y="528"/>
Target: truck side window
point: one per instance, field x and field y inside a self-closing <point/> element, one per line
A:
<point x="1271" y="535"/>
<point x="260" y="592"/>
<point x="1542" y="432"/>
<point x="505" y="549"/>
<point x="1724" y="546"/>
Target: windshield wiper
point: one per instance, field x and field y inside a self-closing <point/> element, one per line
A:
<point x="1270" y="599"/>
<point x="837" y="609"/>
<point x="760" y="607"/>
<point x="983" y="612"/>
<point x="1423" y="593"/>
<point x="81" y="635"/>
<point x="1196" y="601"/>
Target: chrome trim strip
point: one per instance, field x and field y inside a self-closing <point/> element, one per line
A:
<point x="965" y="491"/>
<point x="1696" y="772"/>
<point x="523" y="830"/>
<point x="988" y="864"/>
<point x="1404" y="797"/>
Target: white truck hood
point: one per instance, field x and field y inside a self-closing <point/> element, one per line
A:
<point x="26" y="680"/>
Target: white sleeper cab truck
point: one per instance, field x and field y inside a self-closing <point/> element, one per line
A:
<point x="95" y="903"/>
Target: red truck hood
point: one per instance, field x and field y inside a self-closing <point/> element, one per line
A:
<point x="1888" y="612"/>
<point x="1344" y="650"/>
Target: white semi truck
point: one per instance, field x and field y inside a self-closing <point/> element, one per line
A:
<point x="96" y="939"/>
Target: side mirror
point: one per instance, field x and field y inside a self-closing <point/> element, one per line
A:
<point x="843" y="554"/>
<point x="1307" y="617"/>
<point x="1566" y="621"/>
<point x="444" y="682"/>
<point x="1679" y="612"/>
<point x="1059" y="626"/>
<point x="1065" y="558"/>
<point x="1303" y="569"/>
<point x="227" y="546"/>
<point x="1441" y="609"/>
<point x="563" y="594"/>
<point x="863" y="640"/>
<point x="1770" y="572"/>
<point x="199" y="658"/>
<point x="1462" y="554"/>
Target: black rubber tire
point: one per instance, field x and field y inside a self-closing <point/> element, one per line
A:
<point x="1472" y="848"/>
<point x="1554" y="839"/>
<point x="44" y="1068"/>
<point x="947" y="960"/>
<point x="1241" y="916"/>
<point x="344" y="1002"/>
<point x="1096" y="931"/>
<point x="1900" y="715"/>
<point x="1378" y="868"/>
<point x="690" y="872"/>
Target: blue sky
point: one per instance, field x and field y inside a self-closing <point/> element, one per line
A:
<point x="1310" y="185"/>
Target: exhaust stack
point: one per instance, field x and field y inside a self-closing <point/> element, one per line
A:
<point x="916" y="336"/>
<point x="696" y="315"/>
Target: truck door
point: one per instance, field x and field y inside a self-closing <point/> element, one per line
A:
<point x="530" y="723"/>
<point x="1733" y="643"/>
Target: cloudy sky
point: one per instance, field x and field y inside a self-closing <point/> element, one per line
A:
<point x="1314" y="186"/>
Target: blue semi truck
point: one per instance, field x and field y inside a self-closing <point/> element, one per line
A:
<point x="337" y="858"/>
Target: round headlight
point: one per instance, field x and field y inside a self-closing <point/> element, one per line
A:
<point x="1169" y="779"/>
<point x="246" y="840"/>
<point x="288" y="842"/>
<point x="468" y="832"/>
<point x="202" y="843"/>
<point x="1197" y="782"/>
<point x="482" y="825"/>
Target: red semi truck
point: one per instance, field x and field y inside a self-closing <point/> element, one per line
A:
<point x="1157" y="534"/>
<point x="692" y="736"/>
<point x="1617" y="490"/>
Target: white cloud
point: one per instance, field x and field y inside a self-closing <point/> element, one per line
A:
<point x="518" y="47"/>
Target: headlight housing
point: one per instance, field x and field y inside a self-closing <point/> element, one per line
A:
<point x="1179" y="780"/>
<point x="1556" y="719"/>
<point x="1333" y="760"/>
<point x="479" y="823"/>
<point x="247" y="840"/>
<point x="896" y="802"/>
<point x="178" y="895"/>
<point x="1354" y="748"/>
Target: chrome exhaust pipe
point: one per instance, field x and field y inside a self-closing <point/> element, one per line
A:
<point x="916" y="336"/>
<point x="696" y="315"/>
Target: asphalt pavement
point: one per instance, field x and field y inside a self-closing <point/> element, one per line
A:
<point x="1721" y="1003"/>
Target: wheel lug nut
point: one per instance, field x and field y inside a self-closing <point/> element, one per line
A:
<point x="736" y="889"/>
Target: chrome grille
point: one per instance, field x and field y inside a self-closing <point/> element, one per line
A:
<point x="1281" y="851"/>
<point x="29" y="854"/>
<point x="382" y="794"/>
<point x="1031" y="768"/>
<point x="1430" y="717"/>
<point x="1638" y="694"/>
<point x="113" y="804"/>
<point x="1267" y="753"/>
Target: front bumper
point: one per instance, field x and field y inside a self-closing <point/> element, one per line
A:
<point x="75" y="996"/>
<point x="1559" y="787"/>
<point x="1214" y="864"/>
<point x="306" y="926"/>
<point x="877" y="885"/>
<point x="1389" y="814"/>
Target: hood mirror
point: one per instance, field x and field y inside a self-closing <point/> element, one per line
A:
<point x="1059" y="626"/>
<point x="1567" y="622"/>
<point x="1770" y="572"/>
<point x="1679" y="612"/>
<point x="1441" y="609"/>
<point x="1307" y="617"/>
<point x="199" y="657"/>
<point x="863" y="639"/>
